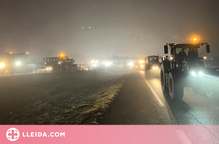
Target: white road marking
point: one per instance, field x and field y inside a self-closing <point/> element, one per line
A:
<point x="156" y="96"/>
<point x="182" y="137"/>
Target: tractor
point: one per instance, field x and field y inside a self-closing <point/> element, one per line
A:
<point x="183" y="68"/>
<point x="152" y="66"/>
<point x="59" y="64"/>
<point x="53" y="64"/>
<point x="13" y="62"/>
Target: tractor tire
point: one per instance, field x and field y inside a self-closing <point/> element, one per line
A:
<point x="163" y="80"/>
<point x="175" y="86"/>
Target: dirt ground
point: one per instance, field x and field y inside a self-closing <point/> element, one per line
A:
<point x="73" y="98"/>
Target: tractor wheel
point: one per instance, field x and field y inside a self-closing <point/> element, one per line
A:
<point x="175" y="86"/>
<point x="163" y="80"/>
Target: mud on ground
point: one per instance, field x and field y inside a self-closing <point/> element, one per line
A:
<point x="72" y="98"/>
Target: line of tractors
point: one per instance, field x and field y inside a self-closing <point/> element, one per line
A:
<point x="11" y="63"/>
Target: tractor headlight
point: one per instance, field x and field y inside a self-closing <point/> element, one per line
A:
<point x="153" y="67"/>
<point x="2" y="65"/>
<point x="18" y="63"/>
<point x="156" y="67"/>
<point x="193" y="73"/>
<point x="199" y="73"/>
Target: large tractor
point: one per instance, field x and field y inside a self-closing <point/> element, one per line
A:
<point x="11" y="63"/>
<point x="183" y="68"/>
<point x="152" y="66"/>
<point x="53" y="64"/>
<point x="60" y="64"/>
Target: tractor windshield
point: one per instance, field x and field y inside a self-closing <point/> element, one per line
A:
<point x="187" y="52"/>
<point x="155" y="58"/>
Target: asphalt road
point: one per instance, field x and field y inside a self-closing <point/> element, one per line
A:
<point x="141" y="101"/>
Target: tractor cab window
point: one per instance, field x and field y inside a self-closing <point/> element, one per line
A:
<point x="186" y="52"/>
<point x="153" y="59"/>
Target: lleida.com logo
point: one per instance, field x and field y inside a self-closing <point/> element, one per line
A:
<point x="12" y="134"/>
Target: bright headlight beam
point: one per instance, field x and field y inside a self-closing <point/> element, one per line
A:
<point x="193" y="73"/>
<point x="18" y="63"/>
<point x="2" y="65"/>
<point x="200" y="73"/>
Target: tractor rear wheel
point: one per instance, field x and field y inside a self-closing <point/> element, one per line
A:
<point x="175" y="86"/>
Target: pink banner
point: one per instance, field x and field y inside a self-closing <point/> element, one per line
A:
<point x="108" y="134"/>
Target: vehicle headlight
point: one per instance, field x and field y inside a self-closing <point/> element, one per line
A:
<point x="200" y="73"/>
<point x="193" y="73"/>
<point x="153" y="67"/>
<point x="18" y="63"/>
<point x="2" y="65"/>
<point x="156" y="67"/>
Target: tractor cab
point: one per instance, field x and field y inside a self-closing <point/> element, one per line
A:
<point x="152" y="62"/>
<point x="184" y="54"/>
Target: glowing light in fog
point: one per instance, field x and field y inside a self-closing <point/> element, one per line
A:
<point x="193" y="73"/>
<point x="2" y="65"/>
<point x="18" y="63"/>
<point x="200" y="73"/>
<point x="131" y="64"/>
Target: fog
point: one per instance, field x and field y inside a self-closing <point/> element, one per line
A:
<point x="134" y="28"/>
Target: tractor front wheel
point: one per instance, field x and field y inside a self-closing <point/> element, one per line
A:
<point x="175" y="86"/>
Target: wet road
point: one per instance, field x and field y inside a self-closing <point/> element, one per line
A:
<point x="141" y="101"/>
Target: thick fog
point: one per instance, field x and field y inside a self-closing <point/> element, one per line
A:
<point x="86" y="29"/>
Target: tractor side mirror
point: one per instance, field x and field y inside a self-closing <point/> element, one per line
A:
<point x="165" y="49"/>
<point x="208" y="48"/>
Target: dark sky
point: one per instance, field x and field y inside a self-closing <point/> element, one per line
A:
<point x="118" y="27"/>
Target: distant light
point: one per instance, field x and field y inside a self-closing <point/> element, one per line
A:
<point x="108" y="63"/>
<point x="11" y="52"/>
<point x="204" y="57"/>
<point x="2" y="65"/>
<point x="141" y="61"/>
<point x="82" y="27"/>
<point x="89" y="27"/>
<point x="18" y="63"/>
<point x="194" y="39"/>
<point x="131" y="64"/>
<point x="27" y="53"/>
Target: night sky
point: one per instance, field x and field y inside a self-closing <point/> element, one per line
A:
<point x="117" y="27"/>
